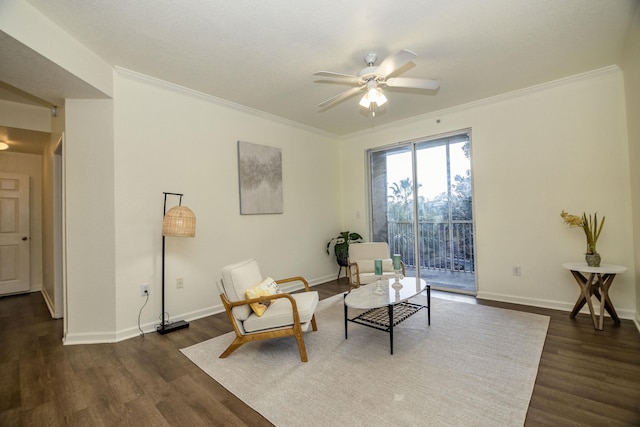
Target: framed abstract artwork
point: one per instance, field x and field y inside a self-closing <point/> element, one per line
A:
<point x="260" y="177"/>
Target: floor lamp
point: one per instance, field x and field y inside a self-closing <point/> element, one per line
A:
<point x="179" y="221"/>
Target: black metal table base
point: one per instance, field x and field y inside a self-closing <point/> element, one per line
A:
<point x="386" y="318"/>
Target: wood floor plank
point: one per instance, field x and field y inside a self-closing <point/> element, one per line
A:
<point x="142" y="411"/>
<point x="34" y="382"/>
<point x="10" y="391"/>
<point x="579" y="409"/>
<point x="64" y="389"/>
<point x="585" y="377"/>
<point x="212" y="412"/>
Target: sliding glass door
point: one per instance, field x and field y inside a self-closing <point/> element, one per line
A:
<point x="421" y="203"/>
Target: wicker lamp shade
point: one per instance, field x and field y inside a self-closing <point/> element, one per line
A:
<point x="179" y="221"/>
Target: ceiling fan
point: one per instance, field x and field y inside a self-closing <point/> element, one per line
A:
<point x="372" y="79"/>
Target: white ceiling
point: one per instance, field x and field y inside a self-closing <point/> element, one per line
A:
<point x="262" y="54"/>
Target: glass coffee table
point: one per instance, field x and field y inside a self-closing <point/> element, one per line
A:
<point x="386" y="304"/>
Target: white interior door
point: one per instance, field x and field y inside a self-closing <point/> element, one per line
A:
<point x="14" y="233"/>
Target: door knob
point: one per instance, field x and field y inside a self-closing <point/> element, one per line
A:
<point x="24" y="239"/>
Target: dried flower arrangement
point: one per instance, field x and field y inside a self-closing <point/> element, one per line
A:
<point x="591" y="228"/>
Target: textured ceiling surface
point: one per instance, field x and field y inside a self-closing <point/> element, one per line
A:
<point x="262" y="54"/>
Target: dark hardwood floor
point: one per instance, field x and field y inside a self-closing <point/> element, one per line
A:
<point x="586" y="377"/>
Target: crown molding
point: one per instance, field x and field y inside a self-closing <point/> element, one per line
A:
<point x="490" y="100"/>
<point x="134" y="75"/>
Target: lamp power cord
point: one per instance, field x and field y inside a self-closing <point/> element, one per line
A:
<point x="140" y="313"/>
<point x="164" y="320"/>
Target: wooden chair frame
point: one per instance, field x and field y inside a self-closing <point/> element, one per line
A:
<point x="295" y="330"/>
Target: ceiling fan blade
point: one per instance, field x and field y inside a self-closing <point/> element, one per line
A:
<point x="340" y="96"/>
<point x="394" y="62"/>
<point x="412" y="83"/>
<point x="338" y="76"/>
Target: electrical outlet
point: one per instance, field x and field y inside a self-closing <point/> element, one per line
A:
<point x="144" y="289"/>
<point x="179" y="283"/>
<point x="516" y="270"/>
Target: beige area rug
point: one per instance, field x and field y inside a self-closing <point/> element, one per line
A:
<point x="474" y="366"/>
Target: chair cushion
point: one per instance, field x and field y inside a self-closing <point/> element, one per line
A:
<point x="236" y="279"/>
<point x="366" y="278"/>
<point x="368" y="265"/>
<point x="265" y="288"/>
<point x="280" y="314"/>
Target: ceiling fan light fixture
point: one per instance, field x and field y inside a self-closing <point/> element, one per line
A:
<point x="372" y="94"/>
<point x="381" y="99"/>
<point x="372" y="78"/>
<point x="3" y="146"/>
<point x="364" y="102"/>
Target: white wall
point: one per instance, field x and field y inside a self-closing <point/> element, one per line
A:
<point x="632" y="88"/>
<point x="51" y="221"/>
<point x="24" y="116"/>
<point x="31" y="165"/>
<point x="174" y="140"/>
<point x="90" y="238"/>
<point x="23" y="22"/>
<point x="534" y="153"/>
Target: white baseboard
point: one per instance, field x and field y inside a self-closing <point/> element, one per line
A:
<point x="150" y="327"/>
<point x="132" y="332"/>
<point x="325" y="279"/>
<point x="555" y="305"/>
<point x="89" y="338"/>
<point x="48" y="302"/>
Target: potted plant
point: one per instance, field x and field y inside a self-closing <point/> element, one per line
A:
<point x="591" y="230"/>
<point x="340" y="245"/>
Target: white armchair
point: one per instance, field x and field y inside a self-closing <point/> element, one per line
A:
<point x="286" y="315"/>
<point x="361" y="263"/>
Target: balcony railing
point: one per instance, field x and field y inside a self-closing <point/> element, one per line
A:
<point x="442" y="246"/>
